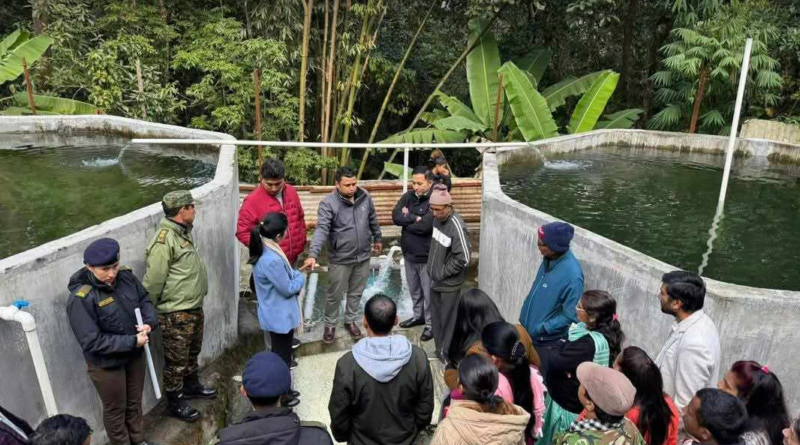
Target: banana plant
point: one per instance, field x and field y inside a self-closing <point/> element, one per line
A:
<point x="19" y="46"/>
<point x="531" y="116"/>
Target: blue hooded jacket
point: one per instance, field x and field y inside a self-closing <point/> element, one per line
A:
<point x="549" y="308"/>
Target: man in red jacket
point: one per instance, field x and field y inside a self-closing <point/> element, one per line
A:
<point x="274" y="195"/>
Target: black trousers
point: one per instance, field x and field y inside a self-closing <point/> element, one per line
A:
<point x="444" y="308"/>
<point x="547" y="350"/>
<point x="280" y="344"/>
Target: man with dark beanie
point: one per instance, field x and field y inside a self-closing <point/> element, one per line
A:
<point x="549" y="308"/>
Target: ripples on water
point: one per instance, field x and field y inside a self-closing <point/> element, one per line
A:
<point x="59" y="185"/>
<point x="663" y="203"/>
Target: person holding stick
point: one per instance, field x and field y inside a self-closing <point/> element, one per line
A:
<point x="104" y="297"/>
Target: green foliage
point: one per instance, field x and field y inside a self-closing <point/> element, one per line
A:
<point x="396" y="170"/>
<point x="531" y="111"/>
<point x="592" y="103"/>
<point x="424" y="136"/>
<point x="620" y="119"/>
<point x="223" y="61"/>
<point x="17" y="46"/>
<point x="535" y="63"/>
<point x="713" y="49"/>
<point x="482" y="65"/>
<point x="47" y="105"/>
<point x="557" y="94"/>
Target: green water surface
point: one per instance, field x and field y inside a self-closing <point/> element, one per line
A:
<point x="53" y="186"/>
<point x="663" y="204"/>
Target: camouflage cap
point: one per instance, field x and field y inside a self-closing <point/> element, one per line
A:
<point x="177" y="199"/>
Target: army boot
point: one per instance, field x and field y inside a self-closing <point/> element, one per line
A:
<point x="193" y="389"/>
<point x="178" y="408"/>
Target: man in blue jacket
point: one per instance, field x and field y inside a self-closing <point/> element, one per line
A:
<point x="549" y="308"/>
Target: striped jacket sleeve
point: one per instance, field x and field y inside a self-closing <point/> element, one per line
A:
<point x="459" y="249"/>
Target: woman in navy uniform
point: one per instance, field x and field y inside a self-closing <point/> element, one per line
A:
<point x="101" y="309"/>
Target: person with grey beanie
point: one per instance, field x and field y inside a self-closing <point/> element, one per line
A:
<point x="448" y="261"/>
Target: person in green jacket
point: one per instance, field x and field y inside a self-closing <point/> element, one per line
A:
<point x="177" y="282"/>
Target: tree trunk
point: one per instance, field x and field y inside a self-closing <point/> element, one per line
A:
<point x="698" y="98"/>
<point x="39" y="9"/>
<point x="308" y="7"/>
<point x="627" y="49"/>
<point x="140" y="83"/>
<point x="663" y="28"/>
<point x="324" y="76"/>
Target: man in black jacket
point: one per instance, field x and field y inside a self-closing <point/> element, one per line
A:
<point x="413" y="214"/>
<point x="382" y="389"/>
<point x="265" y="379"/>
<point x="447" y="266"/>
<point x="101" y="310"/>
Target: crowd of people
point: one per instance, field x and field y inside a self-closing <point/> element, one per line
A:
<point x="562" y="373"/>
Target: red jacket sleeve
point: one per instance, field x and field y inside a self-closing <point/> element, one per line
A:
<point x="246" y="220"/>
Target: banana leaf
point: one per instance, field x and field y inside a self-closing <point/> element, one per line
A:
<point x="556" y="95"/>
<point x="396" y="170"/>
<point x="53" y="105"/>
<point x="458" y="123"/>
<point x="482" y="65"/>
<point x="23" y="111"/>
<point x="30" y="50"/>
<point x="535" y="63"/>
<point x="458" y="108"/>
<point x="621" y="119"/>
<point x="12" y="40"/>
<point x="529" y="107"/>
<point x="592" y="104"/>
<point x="429" y="117"/>
<point x="424" y="136"/>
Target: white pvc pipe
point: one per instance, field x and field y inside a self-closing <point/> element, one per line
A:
<point x="327" y="144"/>
<point x="150" y="365"/>
<point x="405" y="170"/>
<point x="735" y="124"/>
<point x="12" y="313"/>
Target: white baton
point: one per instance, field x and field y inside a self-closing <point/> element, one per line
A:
<point x="153" y="376"/>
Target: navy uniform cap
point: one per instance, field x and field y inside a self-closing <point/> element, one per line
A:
<point x="101" y="252"/>
<point x="266" y="375"/>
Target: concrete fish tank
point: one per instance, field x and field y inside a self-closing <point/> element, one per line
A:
<point x="68" y="180"/>
<point x="642" y="204"/>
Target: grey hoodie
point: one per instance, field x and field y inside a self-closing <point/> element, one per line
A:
<point x="382" y="357"/>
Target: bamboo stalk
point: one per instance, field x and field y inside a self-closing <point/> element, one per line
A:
<point x="28" y="85"/>
<point x="497" y="109"/>
<point x="324" y="70"/>
<point x="308" y="7"/>
<point x="329" y="88"/>
<point x="444" y="79"/>
<point x="257" y="92"/>
<point x="140" y="82"/>
<point x="391" y="88"/>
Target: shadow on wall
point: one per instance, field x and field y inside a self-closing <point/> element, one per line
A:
<point x="40" y="276"/>
<point x="753" y="323"/>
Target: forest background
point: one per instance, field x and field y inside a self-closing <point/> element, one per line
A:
<point x="406" y="70"/>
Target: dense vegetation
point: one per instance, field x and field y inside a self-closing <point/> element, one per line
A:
<point x="368" y="70"/>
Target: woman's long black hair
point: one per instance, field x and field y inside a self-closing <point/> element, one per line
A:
<point x="762" y="394"/>
<point x="479" y="378"/>
<point x="601" y="307"/>
<point x="655" y="415"/>
<point x="501" y="340"/>
<point x="475" y="311"/>
<point x="272" y="226"/>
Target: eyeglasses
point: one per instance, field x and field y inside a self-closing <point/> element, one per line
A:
<point x="579" y="308"/>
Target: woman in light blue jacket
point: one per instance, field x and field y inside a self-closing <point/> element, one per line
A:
<point x="277" y="286"/>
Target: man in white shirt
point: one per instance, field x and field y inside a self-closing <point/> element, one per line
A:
<point x="690" y="358"/>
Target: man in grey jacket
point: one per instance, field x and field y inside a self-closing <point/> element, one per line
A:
<point x="347" y="222"/>
<point x="447" y="266"/>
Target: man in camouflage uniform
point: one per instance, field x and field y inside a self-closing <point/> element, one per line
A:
<point x="606" y="395"/>
<point x="177" y="282"/>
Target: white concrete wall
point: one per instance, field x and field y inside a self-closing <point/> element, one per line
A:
<point x="40" y="276"/>
<point x="754" y="324"/>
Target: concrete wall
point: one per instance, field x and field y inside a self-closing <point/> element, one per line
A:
<point x="40" y="276"/>
<point x="754" y="324"/>
<point x="771" y="130"/>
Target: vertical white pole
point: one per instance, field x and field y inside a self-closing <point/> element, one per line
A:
<point x="723" y="190"/>
<point x="405" y="170"/>
<point x="735" y="124"/>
